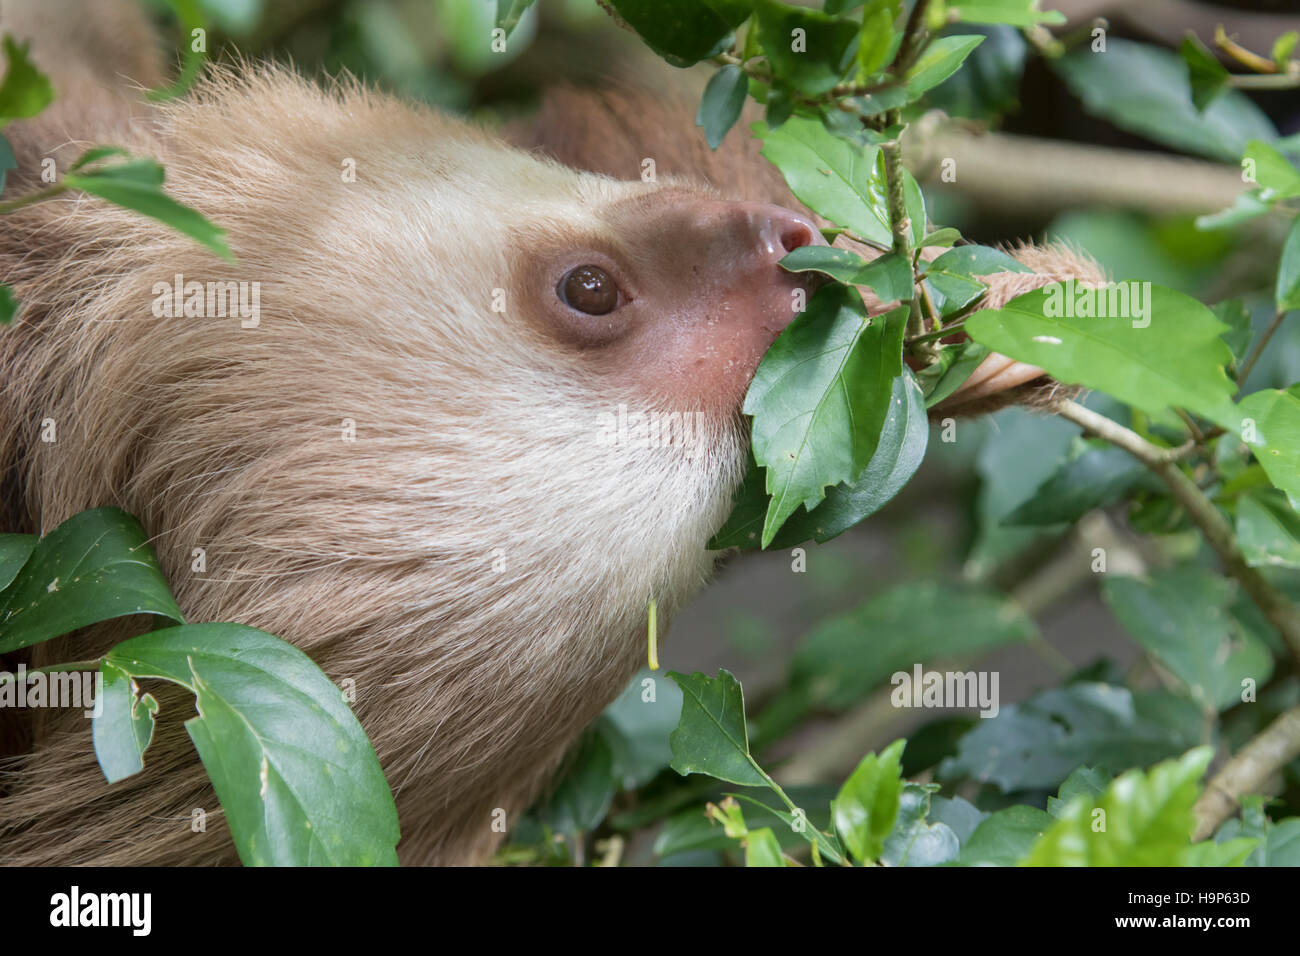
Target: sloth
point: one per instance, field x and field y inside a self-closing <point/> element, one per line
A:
<point x="398" y="467"/>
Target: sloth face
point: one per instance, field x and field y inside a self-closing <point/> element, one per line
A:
<point x="669" y="291"/>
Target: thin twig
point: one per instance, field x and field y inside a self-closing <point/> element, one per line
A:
<point x="1249" y="365"/>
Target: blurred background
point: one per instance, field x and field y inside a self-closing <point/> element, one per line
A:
<point x="1111" y="159"/>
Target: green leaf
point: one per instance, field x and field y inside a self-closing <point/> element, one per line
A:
<point x="1145" y="90"/>
<point x="684" y="31"/>
<point x="25" y="90"/>
<point x="1234" y="314"/>
<point x="835" y="178"/>
<point x="958" y="814"/>
<point x="7" y="161"/>
<point x="294" y="772"/>
<point x="9" y="304"/>
<point x="1271" y="170"/>
<point x="866" y="808"/>
<point x="1275" y="436"/>
<point x="189" y="14"/>
<point x="1005" y="837"/>
<point x="1089" y="782"/>
<point x="762" y="848"/>
<point x="724" y="98"/>
<point x="1276" y="844"/>
<point x="888" y="276"/>
<point x="582" y="797"/>
<point x="1017" y="13"/>
<point x="913" y="841"/>
<point x="876" y="36"/>
<point x="509" y="12"/>
<point x="1181" y="616"/>
<point x="123" y="729"/>
<point x="1036" y="743"/>
<point x="1287" y="291"/>
<point x="820" y="398"/>
<point x="898" y="454"/>
<point x="137" y="185"/>
<point x="711" y="737"/>
<point x="1283" y="47"/>
<point x="1207" y="74"/>
<point x="644" y="715"/>
<point x="15" y="549"/>
<point x="1247" y="206"/>
<point x="1145" y="820"/>
<point x="1100" y="476"/>
<point x="1169" y="353"/>
<point x="1268" y="529"/>
<point x="954" y="277"/>
<point x="940" y="238"/>
<point x="95" y="566"/>
<point x="827" y="844"/>
<point x="988" y="84"/>
<point x="940" y="60"/>
<point x="816" y="58"/>
<point x="956" y="364"/>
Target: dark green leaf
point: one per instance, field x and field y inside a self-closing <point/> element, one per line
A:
<point x="1004" y="838"/>
<point x="7" y="161"/>
<point x="940" y="60"/>
<point x="1268" y="529"/>
<point x="9" y="304"/>
<point x="812" y="60"/>
<point x="914" y="841"/>
<point x="888" y="276"/>
<point x="95" y="566"/>
<point x="1207" y="74"/>
<point x="1087" y="782"/>
<point x="1098" y="477"/>
<point x="820" y="398"/>
<point x="124" y="727"/>
<point x="294" y="772"/>
<point x="957" y="363"/>
<point x="1145" y="90"/>
<point x="684" y="31"/>
<point x="711" y="737"/>
<point x="724" y="98"/>
<point x="581" y="798"/>
<point x="1287" y="292"/>
<point x="15" y="549"/>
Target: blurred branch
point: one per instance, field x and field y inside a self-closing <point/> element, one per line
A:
<point x="1024" y="174"/>
<point x="1248" y="772"/>
<point x="1281" y="613"/>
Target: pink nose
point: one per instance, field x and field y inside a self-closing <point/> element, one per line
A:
<point x="779" y="231"/>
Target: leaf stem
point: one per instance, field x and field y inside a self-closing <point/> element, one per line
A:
<point x="1281" y="613"/>
<point x="13" y="205"/>
<point x="1248" y="366"/>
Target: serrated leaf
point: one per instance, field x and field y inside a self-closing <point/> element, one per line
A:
<point x="820" y="398"/>
<point x="1170" y="355"/>
<point x="825" y="55"/>
<point x="830" y="175"/>
<point x="866" y="808"/>
<point x="889" y="276"/>
<point x="95" y="566"/>
<point x="295" y="774"/>
<point x="711" y="736"/>
<point x="123" y="729"/>
<point x="898" y="454"/>
<point x="1147" y="819"/>
<point x="25" y="90"/>
<point x="724" y="98"/>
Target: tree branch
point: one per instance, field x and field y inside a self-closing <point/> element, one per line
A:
<point x="1248" y="772"/>
<point x="1281" y="613"/>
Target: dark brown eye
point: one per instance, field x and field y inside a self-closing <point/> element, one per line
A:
<point x="588" y="289"/>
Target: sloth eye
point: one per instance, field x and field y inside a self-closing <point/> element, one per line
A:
<point x="588" y="289"/>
